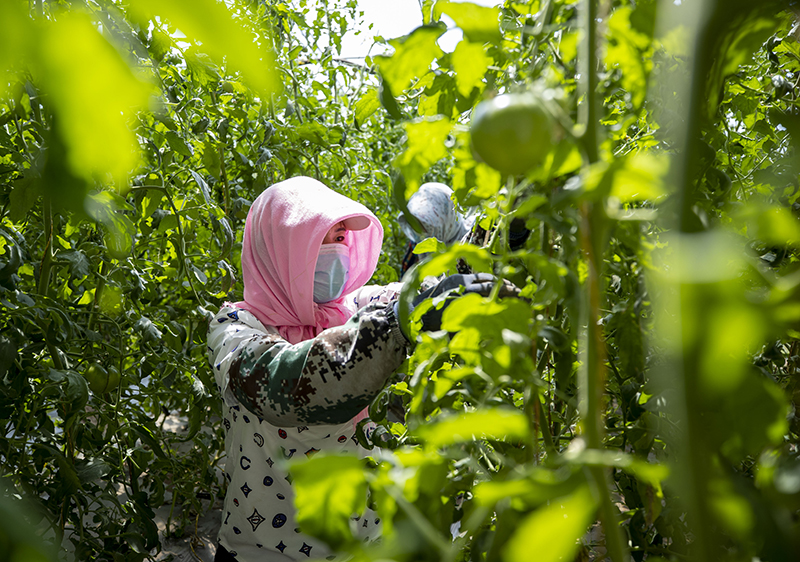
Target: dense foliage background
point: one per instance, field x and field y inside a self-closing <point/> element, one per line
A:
<point x="639" y="403"/>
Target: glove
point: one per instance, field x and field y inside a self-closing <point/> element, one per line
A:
<point x="481" y="283"/>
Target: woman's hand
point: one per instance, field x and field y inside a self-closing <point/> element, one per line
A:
<point x="480" y="283"/>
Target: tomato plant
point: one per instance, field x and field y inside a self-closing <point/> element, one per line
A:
<point x="638" y="402"/>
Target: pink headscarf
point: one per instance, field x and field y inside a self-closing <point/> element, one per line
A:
<point x="282" y="237"/>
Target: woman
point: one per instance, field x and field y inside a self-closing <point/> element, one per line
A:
<point x="301" y="356"/>
<point x="432" y="205"/>
<point x="296" y="361"/>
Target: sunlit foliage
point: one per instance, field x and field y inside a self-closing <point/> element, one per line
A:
<point x="638" y="402"/>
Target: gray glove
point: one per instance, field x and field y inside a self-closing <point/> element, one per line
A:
<point x="481" y="283"/>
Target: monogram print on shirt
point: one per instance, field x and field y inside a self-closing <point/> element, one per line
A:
<point x="255" y="520"/>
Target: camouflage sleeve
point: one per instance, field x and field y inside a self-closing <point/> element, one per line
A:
<point x="325" y="380"/>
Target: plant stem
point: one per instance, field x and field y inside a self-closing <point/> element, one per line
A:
<point x="47" y="257"/>
<point x="98" y="293"/>
<point x="180" y="248"/>
<point x="691" y="462"/>
<point x="223" y="176"/>
<point x="418" y="520"/>
<point x="592" y="375"/>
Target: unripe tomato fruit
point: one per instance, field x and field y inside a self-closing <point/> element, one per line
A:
<point x="101" y="380"/>
<point x="512" y="132"/>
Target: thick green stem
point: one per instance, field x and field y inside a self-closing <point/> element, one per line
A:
<point x="592" y="377"/>
<point x="679" y="373"/>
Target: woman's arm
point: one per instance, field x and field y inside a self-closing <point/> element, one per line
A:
<point x="369" y="294"/>
<point x="324" y="380"/>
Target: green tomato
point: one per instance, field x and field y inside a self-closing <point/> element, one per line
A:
<point x="513" y="133"/>
<point x="101" y="380"/>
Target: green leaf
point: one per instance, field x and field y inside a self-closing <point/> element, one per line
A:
<point x="638" y="177"/>
<point x="160" y="44"/>
<point x="528" y="9"/>
<point x="425" y="146"/>
<point x="529" y="206"/>
<point x="201" y="67"/>
<point x="489" y="317"/>
<point x="179" y="145"/>
<point x="537" y="487"/>
<point x="79" y="263"/>
<point x="367" y="105"/>
<point x="66" y="479"/>
<point x="324" y="505"/>
<point x="553" y="532"/>
<point x="151" y="202"/>
<point x="735" y="47"/>
<point x="388" y="100"/>
<point x="211" y="158"/>
<point x="439" y="98"/>
<point x="198" y="274"/>
<point x="478" y="258"/>
<point x="148" y="438"/>
<point x="21" y="539"/>
<point x="24" y="195"/>
<point x="105" y="207"/>
<point x="427" y="11"/>
<point x="764" y="426"/>
<point x="732" y="509"/>
<point x="629" y="50"/>
<point x="768" y="223"/>
<point x="9" y="350"/>
<point x="19" y="40"/>
<point x="552" y="278"/>
<point x="93" y="92"/>
<point x="148" y="330"/>
<point x="314" y="132"/>
<point x="652" y="474"/>
<point x="211" y="24"/>
<point x="92" y="470"/>
<point x="489" y="423"/>
<point x="76" y="390"/>
<point x="480" y="24"/>
<point x="565" y="158"/>
<point x="201" y="183"/>
<point x="470" y="62"/>
<point x="430" y="245"/>
<point x="412" y="58"/>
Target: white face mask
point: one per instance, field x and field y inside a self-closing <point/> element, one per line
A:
<point x="331" y="272"/>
